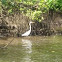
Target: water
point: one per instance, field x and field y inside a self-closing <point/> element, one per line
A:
<point x="32" y="49"/>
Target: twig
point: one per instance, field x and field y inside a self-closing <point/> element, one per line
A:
<point x="7" y="44"/>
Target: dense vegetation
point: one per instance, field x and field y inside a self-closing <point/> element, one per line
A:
<point x="31" y="8"/>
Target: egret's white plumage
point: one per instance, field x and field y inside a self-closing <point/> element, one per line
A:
<point x="26" y="33"/>
<point x="29" y="31"/>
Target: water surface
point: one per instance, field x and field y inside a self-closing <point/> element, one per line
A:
<point x="32" y="49"/>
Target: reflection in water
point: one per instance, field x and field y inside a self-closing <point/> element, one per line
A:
<point x="27" y="45"/>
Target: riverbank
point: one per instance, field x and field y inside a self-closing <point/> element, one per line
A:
<point x="16" y="24"/>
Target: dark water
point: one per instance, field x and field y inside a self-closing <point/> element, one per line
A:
<point x="32" y="49"/>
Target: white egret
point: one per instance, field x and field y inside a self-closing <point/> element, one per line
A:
<point x="29" y="31"/>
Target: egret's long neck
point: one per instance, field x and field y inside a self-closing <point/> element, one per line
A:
<point x="30" y="27"/>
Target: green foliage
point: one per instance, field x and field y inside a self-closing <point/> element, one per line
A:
<point x="0" y="7"/>
<point x="31" y="8"/>
<point x="36" y="15"/>
<point x="55" y="5"/>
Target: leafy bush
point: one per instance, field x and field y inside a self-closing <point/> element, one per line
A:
<point x="31" y="8"/>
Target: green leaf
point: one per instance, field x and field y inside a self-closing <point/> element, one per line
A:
<point x="10" y="11"/>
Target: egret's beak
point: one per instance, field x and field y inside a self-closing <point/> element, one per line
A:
<point x="32" y="22"/>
